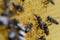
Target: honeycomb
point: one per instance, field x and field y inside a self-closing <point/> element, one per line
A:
<point x="32" y="7"/>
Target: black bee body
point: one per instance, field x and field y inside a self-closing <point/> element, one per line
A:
<point x="40" y="23"/>
<point x="15" y="21"/>
<point x="29" y="27"/>
<point x="45" y="28"/>
<point x="11" y="24"/>
<point x="46" y="31"/>
<point x="52" y="20"/>
<point x="1" y="23"/>
<point x="43" y="25"/>
<point x="18" y="7"/>
<point x="38" y="18"/>
<point x="42" y="38"/>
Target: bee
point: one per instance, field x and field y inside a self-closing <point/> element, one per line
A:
<point x="52" y="20"/>
<point x="18" y="7"/>
<point x="11" y="25"/>
<point x="15" y="21"/>
<point x="42" y="38"/>
<point x="44" y="27"/>
<point x="9" y="13"/>
<point x="19" y="25"/>
<point x="46" y="31"/>
<point x="7" y="3"/>
<point x="29" y="27"/>
<point x="39" y="19"/>
<point x="1" y="23"/>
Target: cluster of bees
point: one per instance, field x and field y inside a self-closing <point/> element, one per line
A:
<point x="18" y="31"/>
<point x="44" y="26"/>
<point x="41" y="24"/>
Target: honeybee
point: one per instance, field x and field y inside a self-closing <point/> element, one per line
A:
<point x="18" y="7"/>
<point x="29" y="27"/>
<point x="52" y="20"/>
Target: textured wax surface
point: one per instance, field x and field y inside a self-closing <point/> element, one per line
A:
<point x="32" y="7"/>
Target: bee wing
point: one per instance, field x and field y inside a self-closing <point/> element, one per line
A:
<point x="12" y="35"/>
<point x="21" y="38"/>
<point x="21" y="26"/>
<point x="4" y="20"/>
<point x="22" y="33"/>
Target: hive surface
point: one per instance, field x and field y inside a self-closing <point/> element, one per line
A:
<point x="32" y="7"/>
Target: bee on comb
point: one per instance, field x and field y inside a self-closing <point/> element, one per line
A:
<point x="52" y="20"/>
<point x="29" y="27"/>
<point x="18" y="7"/>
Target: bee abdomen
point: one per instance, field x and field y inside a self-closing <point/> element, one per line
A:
<point x="22" y="35"/>
<point x="52" y="20"/>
